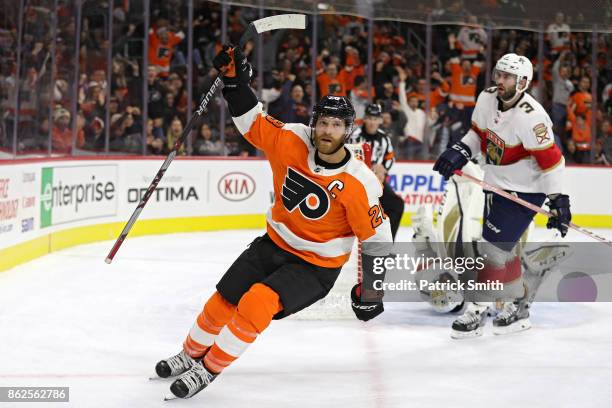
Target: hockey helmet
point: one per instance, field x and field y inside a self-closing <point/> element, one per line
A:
<point x="517" y="65"/>
<point x="373" y="109"/>
<point x="337" y="107"/>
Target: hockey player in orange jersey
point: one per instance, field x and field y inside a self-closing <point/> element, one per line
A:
<point x="324" y="198"/>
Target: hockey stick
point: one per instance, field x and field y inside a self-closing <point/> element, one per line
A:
<point x="532" y="207"/>
<point x="282" y="21"/>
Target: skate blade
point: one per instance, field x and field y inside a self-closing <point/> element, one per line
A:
<point x="170" y="397"/>
<point x="518" y="326"/>
<point x="458" y="335"/>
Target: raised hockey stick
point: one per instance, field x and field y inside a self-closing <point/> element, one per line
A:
<point x="532" y="207"/>
<point x="281" y="21"/>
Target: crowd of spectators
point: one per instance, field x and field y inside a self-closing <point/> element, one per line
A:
<point x="422" y="118"/>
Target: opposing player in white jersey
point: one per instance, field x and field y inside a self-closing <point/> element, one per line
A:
<point x="515" y="134"/>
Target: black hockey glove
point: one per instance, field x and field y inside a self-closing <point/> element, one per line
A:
<point x="234" y="65"/>
<point x="366" y="309"/>
<point x="559" y="205"/>
<point x="453" y="158"/>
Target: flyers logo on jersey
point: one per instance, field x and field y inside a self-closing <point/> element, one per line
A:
<point x="300" y="192"/>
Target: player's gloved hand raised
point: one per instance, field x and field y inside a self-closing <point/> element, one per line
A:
<point x="453" y="158"/>
<point x="365" y="310"/>
<point x="234" y="65"/>
<point x="559" y="205"/>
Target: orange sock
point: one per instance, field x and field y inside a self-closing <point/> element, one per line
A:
<point x="216" y="313"/>
<point x="254" y="313"/>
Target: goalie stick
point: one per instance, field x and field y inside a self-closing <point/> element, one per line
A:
<point x="532" y="207"/>
<point x="281" y="21"/>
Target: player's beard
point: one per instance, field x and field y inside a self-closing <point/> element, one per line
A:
<point x="508" y="95"/>
<point x="327" y="148"/>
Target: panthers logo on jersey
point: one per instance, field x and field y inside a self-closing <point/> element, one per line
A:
<point x="495" y="148"/>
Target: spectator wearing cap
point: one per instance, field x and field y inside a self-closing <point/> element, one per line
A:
<point x="61" y="137"/>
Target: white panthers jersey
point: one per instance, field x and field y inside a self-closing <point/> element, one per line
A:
<point x="518" y="145"/>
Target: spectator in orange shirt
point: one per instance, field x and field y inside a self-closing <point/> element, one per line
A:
<point x="580" y="101"/>
<point x="329" y="82"/>
<point x="161" y="47"/>
<point x="462" y="97"/>
<point x="440" y="89"/>
<point x="352" y="69"/>
<point x="580" y="144"/>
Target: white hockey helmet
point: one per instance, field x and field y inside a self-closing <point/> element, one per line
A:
<point x="517" y="65"/>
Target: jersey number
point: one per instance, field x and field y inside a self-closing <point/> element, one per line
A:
<point x="526" y="107"/>
<point x="376" y="215"/>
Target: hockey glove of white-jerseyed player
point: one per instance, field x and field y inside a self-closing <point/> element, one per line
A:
<point x="234" y="65"/>
<point x="453" y="158"/>
<point x="366" y="301"/>
<point x="559" y="205"/>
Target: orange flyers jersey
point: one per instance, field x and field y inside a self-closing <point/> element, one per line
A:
<point x="463" y="87"/>
<point x="161" y="54"/>
<point x="317" y="211"/>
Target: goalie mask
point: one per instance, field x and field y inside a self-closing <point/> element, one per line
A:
<point x="336" y="107"/>
<point x="516" y="65"/>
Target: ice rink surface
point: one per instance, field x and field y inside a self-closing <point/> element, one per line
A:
<point x="68" y="319"/>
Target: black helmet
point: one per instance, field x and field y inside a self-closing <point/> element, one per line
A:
<point x="373" y="109"/>
<point x="337" y="107"/>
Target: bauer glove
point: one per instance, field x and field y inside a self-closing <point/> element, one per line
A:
<point x="234" y="65"/>
<point x="559" y="205"/>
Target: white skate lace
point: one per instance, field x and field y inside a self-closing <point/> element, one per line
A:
<point x="179" y="363"/>
<point x="508" y="310"/>
<point x="468" y="317"/>
<point x="196" y="378"/>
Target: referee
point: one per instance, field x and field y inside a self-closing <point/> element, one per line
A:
<point x="382" y="160"/>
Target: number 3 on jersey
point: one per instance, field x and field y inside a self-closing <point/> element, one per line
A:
<point x="377" y="215"/>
